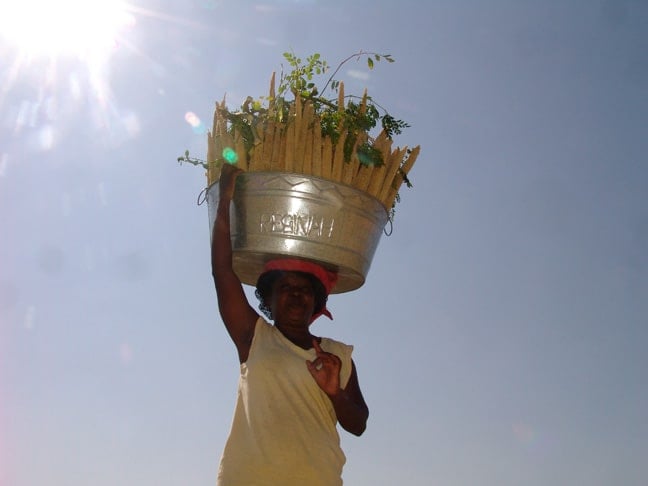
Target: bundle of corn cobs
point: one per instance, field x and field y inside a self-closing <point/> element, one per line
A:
<point x="295" y="144"/>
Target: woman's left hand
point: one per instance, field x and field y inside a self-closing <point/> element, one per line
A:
<point x="325" y="369"/>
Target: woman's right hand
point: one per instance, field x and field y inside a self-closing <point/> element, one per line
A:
<point x="227" y="181"/>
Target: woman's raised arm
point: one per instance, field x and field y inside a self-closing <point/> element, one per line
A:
<point x="237" y="314"/>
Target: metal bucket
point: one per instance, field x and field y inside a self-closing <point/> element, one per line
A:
<point x="277" y="214"/>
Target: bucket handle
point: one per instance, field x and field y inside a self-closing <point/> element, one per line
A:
<point x="391" y="228"/>
<point x="202" y="197"/>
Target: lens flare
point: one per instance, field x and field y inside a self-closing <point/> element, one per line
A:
<point x="230" y="156"/>
<point x="65" y="27"/>
<point x="4" y="163"/>
<point x="125" y="353"/>
<point x="46" y="138"/>
<point x="30" y="318"/>
<point x="523" y="432"/>
<point x="192" y="119"/>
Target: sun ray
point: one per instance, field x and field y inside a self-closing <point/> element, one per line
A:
<point x="57" y="67"/>
<point x="64" y="27"/>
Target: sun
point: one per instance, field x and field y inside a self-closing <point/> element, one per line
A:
<point x="57" y="60"/>
<point x="63" y="27"/>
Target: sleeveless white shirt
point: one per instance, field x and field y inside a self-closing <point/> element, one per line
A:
<point x="284" y="426"/>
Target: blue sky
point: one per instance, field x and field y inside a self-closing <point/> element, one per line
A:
<point x="500" y="337"/>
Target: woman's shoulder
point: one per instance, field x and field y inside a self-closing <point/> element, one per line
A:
<point x="262" y="328"/>
<point x="332" y="345"/>
<point x="262" y="325"/>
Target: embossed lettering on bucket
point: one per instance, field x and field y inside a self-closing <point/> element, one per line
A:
<point x="277" y="214"/>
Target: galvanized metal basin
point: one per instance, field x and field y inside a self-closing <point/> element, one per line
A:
<point x="277" y="214"/>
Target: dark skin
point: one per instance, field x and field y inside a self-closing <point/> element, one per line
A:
<point x="292" y="304"/>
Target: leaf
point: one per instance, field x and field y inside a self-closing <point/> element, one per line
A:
<point x="342" y="119"/>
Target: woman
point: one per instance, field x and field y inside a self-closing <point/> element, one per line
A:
<point x="294" y="387"/>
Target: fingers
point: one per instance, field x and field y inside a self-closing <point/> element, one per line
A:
<point x="324" y="356"/>
<point x="317" y="347"/>
<point x="229" y="173"/>
<point x="315" y="365"/>
<point x="327" y="360"/>
<point x="227" y="180"/>
<point x="325" y="369"/>
<point x="230" y="169"/>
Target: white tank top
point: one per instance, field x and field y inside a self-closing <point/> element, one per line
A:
<point x="284" y="427"/>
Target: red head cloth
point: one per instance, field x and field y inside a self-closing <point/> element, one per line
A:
<point x="328" y="278"/>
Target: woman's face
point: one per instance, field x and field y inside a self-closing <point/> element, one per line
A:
<point x="292" y="300"/>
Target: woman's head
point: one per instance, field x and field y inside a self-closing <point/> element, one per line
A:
<point x="268" y="283"/>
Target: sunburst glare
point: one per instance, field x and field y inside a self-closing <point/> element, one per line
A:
<point x="64" y="27"/>
<point x="56" y="62"/>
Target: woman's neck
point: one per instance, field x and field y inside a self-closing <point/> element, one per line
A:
<point x="299" y="337"/>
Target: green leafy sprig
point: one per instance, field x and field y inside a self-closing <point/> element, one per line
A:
<point x="350" y="120"/>
<point x="348" y="117"/>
